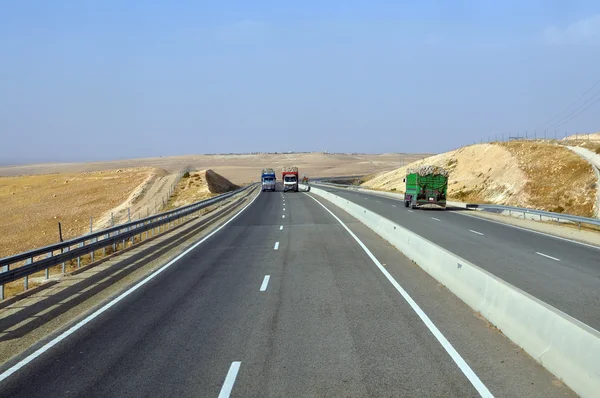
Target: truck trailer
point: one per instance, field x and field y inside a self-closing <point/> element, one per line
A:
<point x="268" y="180"/>
<point x="289" y="175"/>
<point x="426" y="186"/>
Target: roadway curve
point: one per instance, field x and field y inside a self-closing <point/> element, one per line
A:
<point x="328" y="323"/>
<point x="560" y="272"/>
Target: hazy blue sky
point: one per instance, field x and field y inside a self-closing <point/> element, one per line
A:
<point x="90" y="80"/>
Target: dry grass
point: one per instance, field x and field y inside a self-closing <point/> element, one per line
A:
<point x="558" y="180"/>
<point x="32" y="206"/>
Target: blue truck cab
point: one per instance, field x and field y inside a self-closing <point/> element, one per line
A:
<point x="268" y="180"/>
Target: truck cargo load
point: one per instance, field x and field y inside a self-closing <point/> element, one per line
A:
<point x="426" y="186"/>
<point x="289" y="175"/>
<point x="268" y="180"/>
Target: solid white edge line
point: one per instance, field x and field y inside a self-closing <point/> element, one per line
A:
<point x="475" y="232"/>
<point x="460" y="362"/>
<point x="276" y="246"/>
<point x="545" y="255"/>
<point x="265" y="283"/>
<point x="527" y="230"/>
<point x="281" y="227"/>
<point x="111" y="303"/>
<point x="230" y="379"/>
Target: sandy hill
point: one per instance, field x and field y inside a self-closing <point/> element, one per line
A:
<point x="199" y="185"/>
<point x="539" y="175"/>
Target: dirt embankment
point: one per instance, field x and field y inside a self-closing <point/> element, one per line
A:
<point x="199" y="185"/>
<point x="32" y="206"/>
<point x="539" y="175"/>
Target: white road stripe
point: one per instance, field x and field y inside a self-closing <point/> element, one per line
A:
<point x="475" y="232"/>
<point x="283" y="216"/>
<point x="265" y="283"/>
<point x="276" y="246"/>
<point x="460" y="362"/>
<point x="111" y="303"/>
<point x="436" y="219"/>
<point x="393" y="205"/>
<point x="545" y="255"/>
<point x="462" y="213"/>
<point x="230" y="380"/>
<point x="410" y="211"/>
<point x="281" y="227"/>
<point x="284" y="209"/>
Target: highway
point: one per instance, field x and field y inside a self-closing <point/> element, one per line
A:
<point x="560" y="272"/>
<point x="285" y="301"/>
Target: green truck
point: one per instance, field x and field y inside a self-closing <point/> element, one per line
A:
<point x="426" y="186"/>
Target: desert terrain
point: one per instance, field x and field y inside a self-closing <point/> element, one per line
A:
<point x="537" y="174"/>
<point x="32" y="206"/>
<point x="35" y="198"/>
<point x="239" y="169"/>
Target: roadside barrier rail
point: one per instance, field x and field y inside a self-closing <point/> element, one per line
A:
<point x="24" y="264"/>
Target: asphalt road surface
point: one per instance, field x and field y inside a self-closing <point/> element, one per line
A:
<point x="562" y="273"/>
<point x="283" y="302"/>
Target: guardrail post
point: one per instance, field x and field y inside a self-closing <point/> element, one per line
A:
<point x="63" y="264"/>
<point x="47" y="275"/>
<point x="26" y="279"/>
<point x="4" y="269"/>
<point x="79" y="257"/>
<point x="112" y="224"/>
<point x="94" y="240"/>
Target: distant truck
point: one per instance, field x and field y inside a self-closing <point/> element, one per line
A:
<point x="426" y="186"/>
<point x="289" y="175"/>
<point x="268" y="180"/>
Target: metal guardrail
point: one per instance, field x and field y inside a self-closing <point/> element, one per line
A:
<point x="548" y="214"/>
<point x="45" y="257"/>
<point x="490" y="207"/>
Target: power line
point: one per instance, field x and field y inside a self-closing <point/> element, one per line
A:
<point x="553" y="120"/>
<point x="574" y="116"/>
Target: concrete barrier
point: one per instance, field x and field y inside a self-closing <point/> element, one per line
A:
<point x="565" y="346"/>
